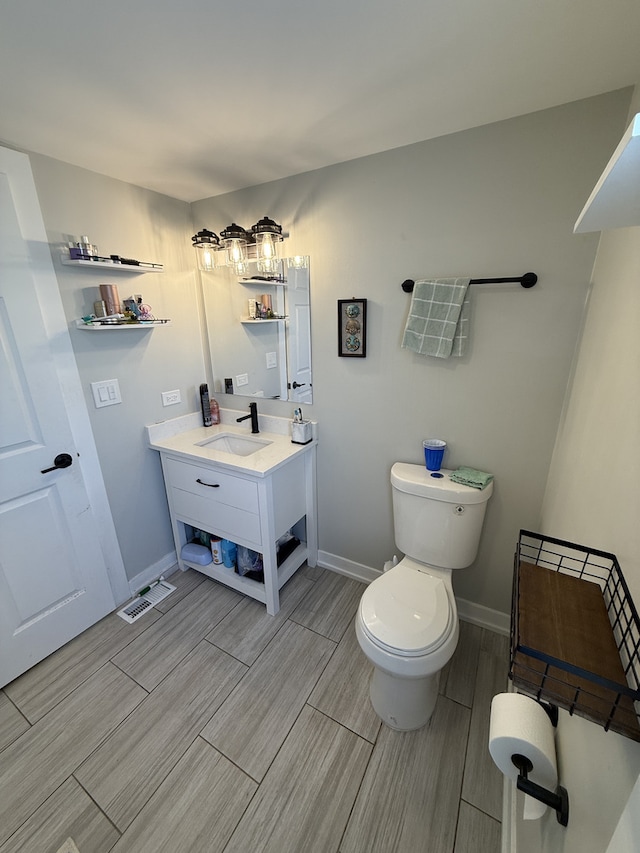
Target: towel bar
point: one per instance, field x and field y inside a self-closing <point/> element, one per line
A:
<point x="526" y="280"/>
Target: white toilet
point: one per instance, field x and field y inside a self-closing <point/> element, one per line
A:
<point x="407" y="621"/>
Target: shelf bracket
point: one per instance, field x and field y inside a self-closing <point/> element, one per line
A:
<point x="559" y="801"/>
<point x="551" y="712"/>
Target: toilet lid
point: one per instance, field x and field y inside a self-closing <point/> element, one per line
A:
<point x="406" y="611"/>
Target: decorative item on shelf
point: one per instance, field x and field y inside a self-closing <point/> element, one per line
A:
<point x="352" y="327"/>
<point x="266" y="306"/>
<point x="132" y="306"/>
<point x="205" y="243"/>
<point x="84" y="254"/>
<point x="145" y="313"/>
<point x="109" y="295"/>
<point x="237" y="247"/>
<point x="83" y="249"/>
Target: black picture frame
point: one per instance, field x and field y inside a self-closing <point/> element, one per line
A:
<point x="352" y="328"/>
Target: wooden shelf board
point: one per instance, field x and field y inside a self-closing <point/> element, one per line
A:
<point x="564" y="618"/>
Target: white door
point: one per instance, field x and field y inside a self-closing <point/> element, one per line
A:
<point x="53" y="578"/>
<point x="299" y="336"/>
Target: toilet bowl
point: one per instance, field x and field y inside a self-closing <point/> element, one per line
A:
<point x="407" y="620"/>
<point x="407" y="626"/>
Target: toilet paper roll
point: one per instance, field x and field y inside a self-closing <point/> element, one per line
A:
<point x="519" y="725"/>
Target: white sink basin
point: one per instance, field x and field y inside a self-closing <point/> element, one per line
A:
<point x="238" y="445"/>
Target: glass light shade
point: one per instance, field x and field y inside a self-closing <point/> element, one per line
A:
<point x="205" y="256"/>
<point x="205" y="243"/>
<point x="267" y="252"/>
<point x="236" y="251"/>
<point x="241" y="268"/>
<point x="298" y="262"/>
<point x="234" y="240"/>
<point x="267" y="235"/>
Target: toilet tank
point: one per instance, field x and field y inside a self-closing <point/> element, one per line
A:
<point x="436" y="521"/>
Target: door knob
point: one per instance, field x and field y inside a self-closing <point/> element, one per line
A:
<point x="62" y="460"/>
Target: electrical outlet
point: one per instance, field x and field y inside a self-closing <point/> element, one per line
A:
<point x="272" y="360"/>
<point x="170" y="398"/>
<point x="242" y="379"/>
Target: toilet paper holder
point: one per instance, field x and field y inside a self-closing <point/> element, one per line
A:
<point x="558" y="800"/>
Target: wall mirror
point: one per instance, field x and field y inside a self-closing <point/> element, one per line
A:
<point x="268" y="355"/>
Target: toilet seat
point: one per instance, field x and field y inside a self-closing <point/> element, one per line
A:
<point x="406" y="612"/>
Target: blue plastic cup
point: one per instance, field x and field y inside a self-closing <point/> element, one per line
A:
<point x="434" y="449"/>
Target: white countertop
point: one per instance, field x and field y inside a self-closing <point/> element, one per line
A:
<point x="181" y="437"/>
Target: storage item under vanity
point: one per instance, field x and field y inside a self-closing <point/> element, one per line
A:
<point x="229" y="553"/>
<point x="301" y="432"/>
<point x="195" y="553"/>
<point x="249" y="564"/>
<point x="216" y="550"/>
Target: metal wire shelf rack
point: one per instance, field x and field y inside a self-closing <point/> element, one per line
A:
<point x="575" y="632"/>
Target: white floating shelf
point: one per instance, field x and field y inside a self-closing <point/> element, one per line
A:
<point x="250" y="322"/>
<point x="615" y="201"/>
<point x="262" y="282"/>
<point x="105" y="265"/>
<point x="123" y="327"/>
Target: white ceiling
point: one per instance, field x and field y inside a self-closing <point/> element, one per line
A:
<point x="195" y="98"/>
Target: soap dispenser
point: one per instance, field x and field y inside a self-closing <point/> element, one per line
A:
<point x="215" y="411"/>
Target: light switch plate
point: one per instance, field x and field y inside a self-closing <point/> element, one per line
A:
<point x="106" y="393"/>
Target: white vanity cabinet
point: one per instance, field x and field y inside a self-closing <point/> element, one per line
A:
<point x="251" y="509"/>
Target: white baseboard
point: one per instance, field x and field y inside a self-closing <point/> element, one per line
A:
<point x="483" y="616"/>
<point x="342" y="566"/>
<point x="477" y="614"/>
<point x="165" y="566"/>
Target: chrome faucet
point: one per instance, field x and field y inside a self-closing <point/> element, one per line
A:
<point x="253" y="414"/>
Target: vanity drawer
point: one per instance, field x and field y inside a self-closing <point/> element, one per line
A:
<point x="219" y="518"/>
<point x="214" y="486"/>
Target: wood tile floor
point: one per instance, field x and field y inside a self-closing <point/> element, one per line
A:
<point x="209" y="726"/>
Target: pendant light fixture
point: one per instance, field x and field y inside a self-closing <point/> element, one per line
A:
<point x="235" y="239"/>
<point x="205" y="243"/>
<point x="267" y="235"/>
<point x="237" y="247"/>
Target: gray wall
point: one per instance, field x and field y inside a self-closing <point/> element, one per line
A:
<point x="132" y="222"/>
<point x="592" y="497"/>
<point x="496" y="200"/>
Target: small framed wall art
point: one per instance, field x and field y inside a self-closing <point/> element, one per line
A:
<point x="352" y="328"/>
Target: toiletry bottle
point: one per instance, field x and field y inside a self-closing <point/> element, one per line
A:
<point x="205" y="404"/>
<point x="229" y="553"/>
<point x="215" y="411"/>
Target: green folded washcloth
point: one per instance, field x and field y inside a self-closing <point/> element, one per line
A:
<point x="470" y="477"/>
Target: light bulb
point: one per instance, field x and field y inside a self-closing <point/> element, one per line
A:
<point x="206" y="259"/>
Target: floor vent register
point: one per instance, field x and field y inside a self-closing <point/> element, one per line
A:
<point x="152" y="596"/>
